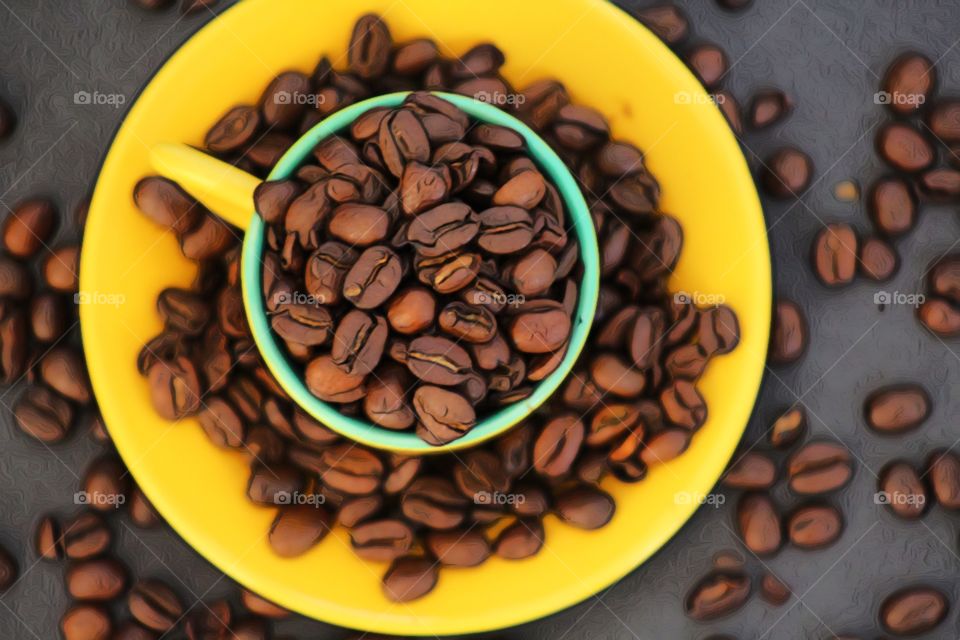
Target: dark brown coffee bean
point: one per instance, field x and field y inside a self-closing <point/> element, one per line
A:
<point x="356" y="510"/>
<point x="106" y="484"/>
<point x="752" y="470"/>
<point x="787" y="173"/>
<point x="912" y="611"/>
<point x="100" y="579"/>
<point x="908" y="83"/>
<point x="273" y="485"/>
<point x="61" y="269"/>
<point x="788" y="428"/>
<point x="905" y="148"/>
<point x="29" y="227"/>
<point x="540" y="327"/>
<point x="43" y="415"/>
<point x="15" y="279"/>
<point x="382" y="540"/>
<point x="209" y="239"/>
<point x="585" y="507"/>
<point x="458" y="548"/>
<point x="710" y="64"/>
<point x="414" y="57"/>
<point x="284" y="100"/>
<point x="412" y="310"/>
<point x="373" y="277"/>
<point x="773" y="590"/>
<point x="183" y="310"/>
<point x="667" y="21"/>
<point x="351" y="470"/>
<point x="525" y="190"/>
<point x="835" y="255"/>
<point x="944" y="471"/>
<point x="615" y="376"/>
<point x="940" y="316"/>
<point x="814" y="526"/>
<point x="63" y="370"/>
<point x="664" y="446"/>
<point x="155" y="605"/>
<point x="385" y="403"/>
<point x="944" y="120"/>
<point x="789" y="339"/>
<point x="475" y="325"/>
<point x="86" y="622"/>
<point x="893" y="206"/>
<point x="534" y="273"/>
<point x="941" y="184"/>
<point x="819" y="467"/>
<point x="444" y="415"/>
<point x="424" y="187"/>
<point x="359" y="224"/>
<point x="683" y="405"/>
<point x="480" y="476"/>
<point x="167" y="204"/>
<point x="902" y="489"/>
<point x="174" y="388"/>
<point x="759" y="525"/>
<point x="717" y="595"/>
<point x="522" y="539"/>
<point x="897" y="409"/>
<point x="436" y="360"/>
<point x="769" y="107"/>
<point x="14" y="341"/>
<point x="325" y="271"/>
<point x="402" y="139"/>
<point x="878" y="260"/>
<point x="329" y="382"/>
<point x="443" y="229"/>
<point x="261" y="607"/>
<point x="370" y="44"/>
<point x="297" y="528"/>
<point x="359" y="342"/>
<point x="410" y="578"/>
<point x="556" y="447"/>
<point x="235" y="130"/>
<point x="272" y="199"/>
<point x="580" y="128"/>
<point x="82" y="537"/>
<point x="434" y="502"/>
<point x="505" y="229"/>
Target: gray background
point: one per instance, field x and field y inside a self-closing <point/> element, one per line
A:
<point x="828" y="55"/>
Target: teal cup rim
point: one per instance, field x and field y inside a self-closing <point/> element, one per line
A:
<point x="407" y="441"/>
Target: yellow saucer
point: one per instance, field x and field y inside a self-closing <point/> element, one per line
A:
<point x="606" y="60"/>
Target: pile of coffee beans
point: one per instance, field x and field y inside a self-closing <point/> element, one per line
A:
<point x="631" y="403"/>
<point x="421" y="271"/>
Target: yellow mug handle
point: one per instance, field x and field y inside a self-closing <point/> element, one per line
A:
<point x="224" y="189"/>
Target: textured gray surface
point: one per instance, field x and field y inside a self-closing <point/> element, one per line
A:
<point x="827" y="54"/>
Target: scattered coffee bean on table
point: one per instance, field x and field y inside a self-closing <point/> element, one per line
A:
<point x="897" y="409"/>
<point x="787" y="173"/>
<point x="913" y="611"/>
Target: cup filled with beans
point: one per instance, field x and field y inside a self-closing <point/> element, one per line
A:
<point x="420" y="271"/>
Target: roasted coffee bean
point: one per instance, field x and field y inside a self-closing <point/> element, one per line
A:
<point x="683" y="405"/>
<point x="940" y="184"/>
<point x="580" y="128"/>
<point x="29" y="227"/>
<point x="505" y="229"/>
<point x="443" y="229"/>
<point x="534" y="273"/>
<point x="787" y="173"/>
<point x="835" y="255"/>
<point x="414" y="57"/>
<point x="717" y="595"/>
<point x="329" y="382"/>
<point x="878" y="260"/>
<point x="14" y="340"/>
<point x="167" y="204"/>
<point x="944" y="120"/>
<point x="44" y="415"/>
<point x="403" y="139"/>
<point x="385" y="403"/>
<point x="101" y="579"/>
<point x="436" y="360"/>
<point x="351" y="470"/>
<point x="908" y="83"/>
<point x="905" y="148"/>
<point x="260" y="606"/>
<point x="814" y="526"/>
<point x="402" y="473"/>
<point x="585" y="507"/>
<point x="61" y="269"/>
<point x="141" y="511"/>
<point x="541" y="326"/>
<point x="475" y="325"/>
<point x="63" y="370"/>
<point x="303" y="324"/>
<point x="788" y="428"/>
<point x="174" y="388"/>
<point x="522" y="539"/>
<point x="297" y="528"/>
<point x="718" y="332"/>
<point x="773" y="590"/>
<point x="759" y="525"/>
<point x="940" y="316"/>
<point x="902" y="489"/>
<point x="434" y="502"/>
<point x="710" y="64"/>
<point x="667" y="21"/>
<point x="912" y="611"/>
<point x="356" y="510"/>
<point x="897" y="409"/>
<point x="944" y="471"/>
<point x="183" y="310"/>
<point x="235" y="130"/>
<point x="273" y="485"/>
<point x="458" y="548"/>
<point x="412" y="310"/>
<point x="155" y="605"/>
<point x="85" y="536"/>
<point x="359" y="225"/>
<point x="86" y="622"/>
<point x="480" y="476"/>
<point x="556" y="447"/>
<point x="373" y="277"/>
<point x="444" y="415"/>
<point x="819" y="467"/>
<point x="15" y="279"/>
<point x="752" y="470"/>
<point x="424" y="187"/>
<point x="369" y="52"/>
<point x="106" y="484"/>
<point x="326" y="269"/>
<point x="613" y="375"/>
<point x="789" y="339"/>
<point x="283" y="103"/>
<point x="664" y="446"/>
<point x="359" y="342"/>
<point x="409" y="578"/>
<point x="769" y="107"/>
<point x="893" y="206"/>
<point x="382" y="540"/>
<point x="448" y="273"/>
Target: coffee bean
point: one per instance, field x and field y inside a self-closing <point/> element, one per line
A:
<point x="15" y="279"/>
<point x="878" y="260"/>
<point x="944" y="120"/>
<point x="174" y="388"/>
<point x="282" y="102"/>
<point x="944" y="471"/>
<point x="751" y="471"/>
<point x="908" y="83"/>
<point x="106" y="483"/>
<point x="471" y="324"/>
<point x="710" y="64"/>
<point x="773" y="590"/>
<point x="434" y="502"/>
<point x="819" y="467"/>
<point x="940" y="184"/>
<point x="585" y="507"/>
<point x="86" y="622"/>
<point x="522" y="539"/>
<point x="667" y="21"/>
<point x="505" y="229"/>
<point x="166" y="204"/>
<point x="443" y="229"/>
<point x="768" y="108"/>
<point x="385" y="403"/>
<point x="717" y="595"/>
<point x="359" y="342"/>
<point x="902" y="489"/>
<point x="580" y="128"/>
<point x="155" y="605"/>
<point x="414" y="57"/>
<point x="444" y="415"/>
<point x="835" y="255"/>
<point x="789" y="339"/>
<point x="480" y="475"/>
<point x="369" y="52"/>
<point x="61" y="269"/>
<point x="540" y="327"/>
<point x="556" y="447"/>
<point x="905" y="148"/>
<point x="913" y="611"/>
<point x="63" y="370"/>
<point x="351" y="470"/>
<point x="44" y="415"/>
<point x="409" y="578"/>
<point x="458" y="548"/>
<point x="100" y="579"/>
<point x="814" y="526"/>
<point x="82" y="537"/>
<point x="759" y="525"/>
<point x="297" y="528"/>
<point x="412" y="310"/>
<point x="897" y="409"/>
<point x="664" y="446"/>
<point x="382" y="540"/>
<point x="788" y="428"/>
<point x="373" y="277"/>
<point x="48" y="317"/>
<point x="787" y="173"/>
<point x="260" y="606"/>
<point x="141" y="511"/>
<point x="683" y="405"/>
<point x="450" y="272"/>
<point x="940" y="316"/>
<point x="329" y="382"/>
<point x="273" y="485"/>
<point x="29" y="227"/>
<point x="235" y="130"/>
